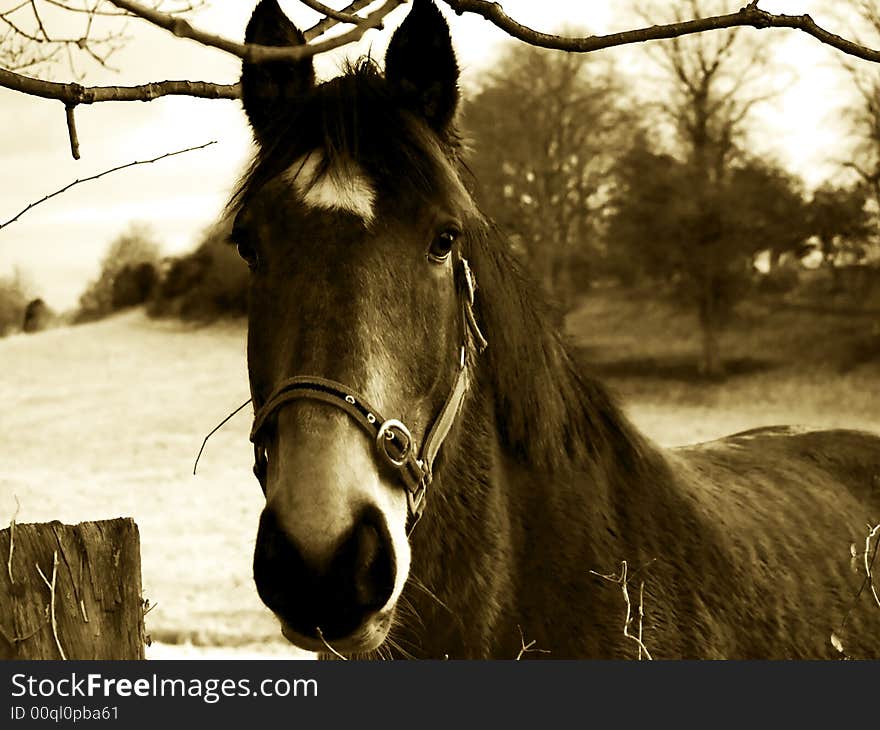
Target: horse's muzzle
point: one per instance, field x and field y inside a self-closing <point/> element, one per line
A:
<point x="332" y="601"/>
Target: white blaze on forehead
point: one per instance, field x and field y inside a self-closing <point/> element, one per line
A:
<point x="344" y="186"/>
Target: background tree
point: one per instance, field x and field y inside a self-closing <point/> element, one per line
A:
<point x="847" y="217"/>
<point x="863" y="115"/>
<point x="701" y="244"/>
<point x="14" y="296"/>
<point x="709" y="84"/>
<point x="125" y="279"/>
<point x="842" y="223"/>
<point x="546" y="127"/>
<point x="209" y="282"/>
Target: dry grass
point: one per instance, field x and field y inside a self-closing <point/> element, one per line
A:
<point x="104" y="420"/>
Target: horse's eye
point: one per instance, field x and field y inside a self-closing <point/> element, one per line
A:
<point x="442" y="245"/>
<point x="249" y="254"/>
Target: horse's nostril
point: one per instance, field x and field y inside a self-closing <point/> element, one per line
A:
<point x="374" y="577"/>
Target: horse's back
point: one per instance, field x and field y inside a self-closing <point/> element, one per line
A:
<point x="849" y="459"/>
<point x="788" y="503"/>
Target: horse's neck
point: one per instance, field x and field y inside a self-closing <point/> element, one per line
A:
<point x="494" y="522"/>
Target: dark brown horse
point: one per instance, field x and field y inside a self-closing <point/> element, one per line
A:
<point x="364" y="240"/>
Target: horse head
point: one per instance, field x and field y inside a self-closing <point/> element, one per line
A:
<point x="353" y="221"/>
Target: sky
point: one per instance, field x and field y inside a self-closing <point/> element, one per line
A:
<point x="57" y="247"/>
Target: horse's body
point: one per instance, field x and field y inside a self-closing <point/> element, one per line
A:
<point x="743" y="545"/>
<point x="358" y="227"/>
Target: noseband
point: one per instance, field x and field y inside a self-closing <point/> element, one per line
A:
<point x="394" y="442"/>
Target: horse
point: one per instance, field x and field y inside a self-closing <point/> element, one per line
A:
<point x="507" y="507"/>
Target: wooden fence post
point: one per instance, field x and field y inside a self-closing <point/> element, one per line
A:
<point x="71" y="591"/>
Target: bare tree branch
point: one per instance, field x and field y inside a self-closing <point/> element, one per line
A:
<point x="750" y="15"/>
<point x="90" y="11"/>
<point x="29" y="40"/>
<point x="326" y="23"/>
<point x="78" y="94"/>
<point x="341" y="15"/>
<point x="250" y="52"/>
<point x="100" y="174"/>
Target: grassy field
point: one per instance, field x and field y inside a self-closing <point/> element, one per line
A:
<point x="787" y="364"/>
<point x="105" y="419"/>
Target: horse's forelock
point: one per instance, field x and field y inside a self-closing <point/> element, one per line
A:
<point x="355" y="123"/>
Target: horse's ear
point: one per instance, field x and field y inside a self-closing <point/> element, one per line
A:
<point x="269" y="90"/>
<point x="421" y="67"/>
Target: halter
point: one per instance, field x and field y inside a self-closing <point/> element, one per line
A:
<point x="394" y="442"/>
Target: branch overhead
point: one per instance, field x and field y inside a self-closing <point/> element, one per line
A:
<point x="72" y="94"/>
<point x="253" y="53"/>
<point x="749" y="15"/>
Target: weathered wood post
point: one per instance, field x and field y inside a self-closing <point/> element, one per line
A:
<point x="71" y="591"/>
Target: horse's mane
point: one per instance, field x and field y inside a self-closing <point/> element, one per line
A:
<point x="549" y="413"/>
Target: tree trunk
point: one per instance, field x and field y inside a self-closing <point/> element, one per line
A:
<point x="711" y="364"/>
<point x="71" y="591"/>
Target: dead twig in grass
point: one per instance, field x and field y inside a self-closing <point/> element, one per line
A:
<point x="622" y="581"/>
<point x="641" y="614"/>
<point x="526" y="648"/>
<point x="869" y="556"/>
<point x="12" y="541"/>
<point x="869" y="564"/>
<point x="51" y="587"/>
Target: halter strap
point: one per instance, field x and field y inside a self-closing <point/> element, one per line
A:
<point x="394" y="442"/>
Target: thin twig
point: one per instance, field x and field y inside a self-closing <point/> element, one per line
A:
<point x="91" y="12"/>
<point x="324" y="642"/>
<point x="101" y="174"/>
<point x="526" y="648"/>
<point x="51" y="587"/>
<point x="340" y="15"/>
<point x="12" y="540"/>
<point x="868" y="581"/>
<point x="214" y="430"/>
<point x="868" y="565"/>
<point x="621" y="580"/>
<point x="641" y="614"/>
<point x="326" y="23"/>
<point x="40" y="25"/>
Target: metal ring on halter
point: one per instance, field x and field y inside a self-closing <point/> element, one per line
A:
<point x="389" y="430"/>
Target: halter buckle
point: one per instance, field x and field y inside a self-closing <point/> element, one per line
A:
<point x="388" y="431"/>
